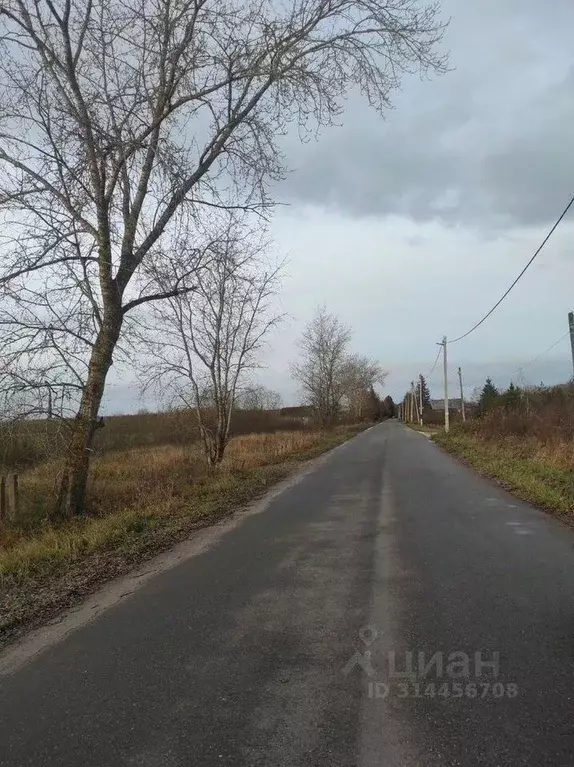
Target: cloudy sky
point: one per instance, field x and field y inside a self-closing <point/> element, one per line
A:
<point x="410" y="228"/>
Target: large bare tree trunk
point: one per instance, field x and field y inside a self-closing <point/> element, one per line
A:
<point x="74" y="479"/>
<point x="222" y="434"/>
<point x="215" y="440"/>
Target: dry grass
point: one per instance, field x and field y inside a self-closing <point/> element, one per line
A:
<point x="526" y="443"/>
<point x="539" y="472"/>
<point x="142" y="500"/>
<point x="28" y="443"/>
<point x="262" y="449"/>
<point x="556" y="453"/>
<point x="424" y="428"/>
<point x="159" y="477"/>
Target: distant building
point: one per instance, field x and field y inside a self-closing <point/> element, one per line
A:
<point x="453" y="404"/>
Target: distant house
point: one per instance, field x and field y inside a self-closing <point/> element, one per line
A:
<point x="453" y="404"/>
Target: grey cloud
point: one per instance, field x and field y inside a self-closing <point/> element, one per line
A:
<point x="487" y="145"/>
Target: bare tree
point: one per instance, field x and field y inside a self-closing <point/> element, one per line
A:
<point x="123" y="120"/>
<point x="258" y="397"/>
<point x="360" y="375"/>
<point x="321" y="370"/>
<point x="207" y="340"/>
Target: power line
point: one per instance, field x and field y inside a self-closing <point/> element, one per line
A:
<point x="436" y="360"/>
<point x="545" y="351"/>
<point x="500" y="300"/>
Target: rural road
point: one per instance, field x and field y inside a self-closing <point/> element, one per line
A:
<point x="389" y="609"/>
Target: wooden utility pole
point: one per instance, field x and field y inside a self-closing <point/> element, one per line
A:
<point x="461" y="396"/>
<point x="445" y="369"/>
<point x="571" y="326"/>
<point x="415" y="403"/>
<point x="421" y="399"/>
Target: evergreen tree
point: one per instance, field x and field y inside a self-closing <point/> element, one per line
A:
<point x="512" y="397"/>
<point x="489" y="397"/>
<point x="422" y="384"/>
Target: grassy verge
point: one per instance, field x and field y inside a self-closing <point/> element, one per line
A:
<point x="144" y="501"/>
<point x="528" y="468"/>
<point x="424" y="429"/>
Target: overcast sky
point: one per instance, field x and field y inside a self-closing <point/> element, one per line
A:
<point x="411" y="227"/>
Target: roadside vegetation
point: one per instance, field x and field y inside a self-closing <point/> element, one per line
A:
<point x="156" y="476"/>
<point x="524" y="439"/>
<point x="142" y="499"/>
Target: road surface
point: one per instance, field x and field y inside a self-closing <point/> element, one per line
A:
<point x="391" y="608"/>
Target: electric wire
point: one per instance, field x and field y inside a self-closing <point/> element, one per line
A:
<point x="501" y="299"/>
<point x="544" y="352"/>
<point x="435" y="362"/>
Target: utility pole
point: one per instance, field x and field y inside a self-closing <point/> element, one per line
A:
<point x="571" y="326"/>
<point x="461" y="396"/>
<point x="421" y="399"/>
<point x="445" y="368"/>
<point x="417" y="416"/>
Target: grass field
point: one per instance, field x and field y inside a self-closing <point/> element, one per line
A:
<point x="143" y="500"/>
<point x="30" y="442"/>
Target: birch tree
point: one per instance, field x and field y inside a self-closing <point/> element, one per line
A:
<point x="360" y="375"/>
<point x="208" y="340"/>
<point x="122" y="121"/>
<point x="322" y="371"/>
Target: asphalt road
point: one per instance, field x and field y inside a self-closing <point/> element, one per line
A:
<point x="339" y="626"/>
